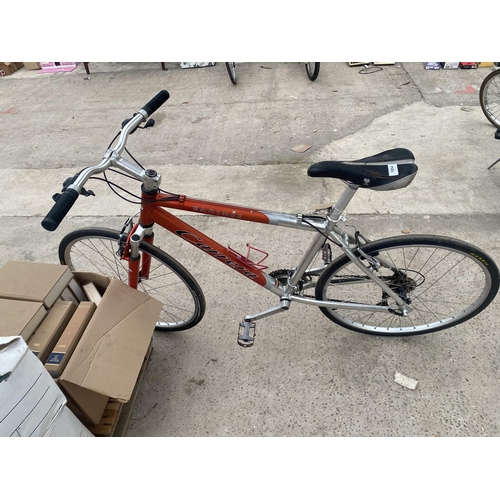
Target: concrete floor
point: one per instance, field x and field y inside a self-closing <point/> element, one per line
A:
<point x="305" y="376"/>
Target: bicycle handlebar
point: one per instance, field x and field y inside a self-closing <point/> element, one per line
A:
<point x="157" y="101"/>
<point x="69" y="195"/>
<point x="61" y="207"/>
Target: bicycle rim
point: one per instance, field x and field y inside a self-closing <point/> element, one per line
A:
<point x="94" y="250"/>
<point x="446" y="282"/>
<point x="489" y="97"/>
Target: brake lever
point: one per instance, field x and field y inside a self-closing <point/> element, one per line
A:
<point x="68" y="182"/>
<point x="149" y="123"/>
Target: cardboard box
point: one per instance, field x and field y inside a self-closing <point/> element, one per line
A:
<point x="77" y="290"/>
<point x="7" y="68"/>
<point x="92" y="293"/>
<point x="33" y="281"/>
<point x="59" y="357"/>
<point x="484" y="64"/>
<point x="68" y="296"/>
<point x="32" y="65"/>
<point x="450" y="65"/>
<point x="30" y="399"/>
<point x="19" y="317"/>
<point x="107" y="360"/>
<point x="48" y="333"/>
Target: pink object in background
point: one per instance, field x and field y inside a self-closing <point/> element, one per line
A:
<point x="57" y="67"/>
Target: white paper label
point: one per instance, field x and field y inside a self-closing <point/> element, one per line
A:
<point x="393" y="169"/>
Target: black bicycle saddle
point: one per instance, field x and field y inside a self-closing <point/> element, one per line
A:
<point x="391" y="169"/>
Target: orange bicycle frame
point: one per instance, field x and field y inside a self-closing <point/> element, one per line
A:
<point x="153" y="212"/>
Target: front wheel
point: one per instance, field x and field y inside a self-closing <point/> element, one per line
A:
<point x="489" y="97"/>
<point x="95" y="250"/>
<point x="445" y="282"/>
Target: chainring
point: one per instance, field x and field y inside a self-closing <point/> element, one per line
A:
<point x="282" y="276"/>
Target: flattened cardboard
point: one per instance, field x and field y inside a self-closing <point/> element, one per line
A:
<point x="110" y="354"/>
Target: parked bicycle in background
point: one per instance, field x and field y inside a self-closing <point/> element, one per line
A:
<point x="312" y="70"/>
<point x="489" y="97"/>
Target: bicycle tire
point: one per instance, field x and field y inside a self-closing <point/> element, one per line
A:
<point x="312" y="70"/>
<point x="94" y="250"/>
<point x="489" y="97"/>
<point x="231" y="69"/>
<point x="436" y="306"/>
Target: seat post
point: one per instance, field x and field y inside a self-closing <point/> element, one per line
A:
<point x="343" y="201"/>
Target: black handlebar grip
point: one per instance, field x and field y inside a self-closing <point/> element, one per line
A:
<point x="61" y="207"/>
<point x="157" y="101"/>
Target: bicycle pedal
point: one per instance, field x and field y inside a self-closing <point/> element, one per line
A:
<point x="245" y="339"/>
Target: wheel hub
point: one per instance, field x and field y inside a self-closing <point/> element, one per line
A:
<point x="401" y="284"/>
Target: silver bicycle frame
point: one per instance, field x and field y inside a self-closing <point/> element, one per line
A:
<point x="342" y="239"/>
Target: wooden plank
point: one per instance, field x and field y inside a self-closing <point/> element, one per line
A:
<point x="108" y="421"/>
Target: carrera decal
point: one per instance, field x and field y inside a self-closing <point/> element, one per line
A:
<point x="198" y="242"/>
<point x="221" y="213"/>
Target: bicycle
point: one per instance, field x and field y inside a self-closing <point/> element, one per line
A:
<point x="312" y="70"/>
<point x="489" y="97"/>
<point x="397" y="286"/>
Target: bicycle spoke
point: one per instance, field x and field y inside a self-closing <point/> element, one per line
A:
<point x="95" y="251"/>
<point x="441" y="285"/>
<point x="441" y="277"/>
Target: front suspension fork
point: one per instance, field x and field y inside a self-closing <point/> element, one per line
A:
<point x="139" y="264"/>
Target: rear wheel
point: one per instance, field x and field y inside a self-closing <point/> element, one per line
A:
<point x="95" y="250"/>
<point x="489" y="97"/>
<point x="445" y="282"/>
